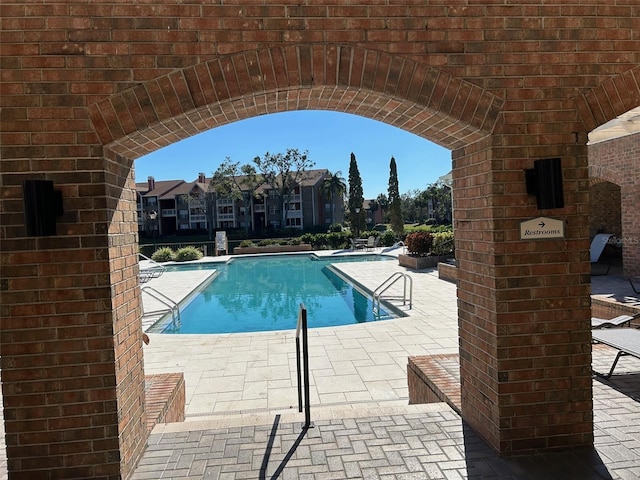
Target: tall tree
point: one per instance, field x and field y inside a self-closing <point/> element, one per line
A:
<point x="237" y="182"/>
<point x="283" y="173"/>
<point x="383" y="202"/>
<point x="201" y="201"/>
<point x="395" y="204"/>
<point x="334" y="187"/>
<point x="440" y="197"/>
<point x="356" y="197"/>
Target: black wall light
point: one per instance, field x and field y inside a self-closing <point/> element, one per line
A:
<point x="544" y="181"/>
<point x="42" y="204"/>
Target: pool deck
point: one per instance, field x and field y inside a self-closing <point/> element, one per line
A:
<point x="241" y="405"/>
<point x="249" y="372"/>
<point x="242" y="419"/>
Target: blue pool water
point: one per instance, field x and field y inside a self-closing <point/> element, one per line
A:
<point x="257" y="294"/>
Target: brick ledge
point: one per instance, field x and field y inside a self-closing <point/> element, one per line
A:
<point x="165" y="398"/>
<point x="435" y="378"/>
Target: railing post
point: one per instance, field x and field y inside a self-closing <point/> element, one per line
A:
<point x="302" y="328"/>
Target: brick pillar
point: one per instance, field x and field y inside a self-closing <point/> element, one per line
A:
<point x="524" y="309"/>
<point x="72" y="376"/>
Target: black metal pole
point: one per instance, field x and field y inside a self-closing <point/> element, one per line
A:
<point x="305" y="355"/>
<point x="299" y="374"/>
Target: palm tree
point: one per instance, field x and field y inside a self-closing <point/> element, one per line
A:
<point x="333" y="186"/>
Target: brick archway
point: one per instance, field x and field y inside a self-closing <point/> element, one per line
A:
<point x="395" y="90"/>
<point x="88" y="87"/>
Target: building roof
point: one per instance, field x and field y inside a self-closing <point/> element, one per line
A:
<point x="162" y="188"/>
<point x="626" y="124"/>
<point x="171" y="188"/>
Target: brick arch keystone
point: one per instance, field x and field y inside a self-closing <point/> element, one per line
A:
<point x="398" y="91"/>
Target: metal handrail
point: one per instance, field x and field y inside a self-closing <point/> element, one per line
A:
<point x="388" y="283"/>
<point x="167" y="302"/>
<point x="303" y="372"/>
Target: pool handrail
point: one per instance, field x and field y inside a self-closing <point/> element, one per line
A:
<point x="301" y="327"/>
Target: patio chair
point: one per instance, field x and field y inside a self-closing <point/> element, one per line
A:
<point x="635" y="283"/>
<point x="597" y="247"/>
<point x="619" y="321"/>
<point x="371" y="243"/>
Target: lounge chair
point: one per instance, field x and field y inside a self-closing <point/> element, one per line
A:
<point x="355" y="245"/>
<point x="618" y="321"/>
<point x="635" y="283"/>
<point x="148" y="268"/>
<point x="597" y="247"/>
<point x="625" y="340"/>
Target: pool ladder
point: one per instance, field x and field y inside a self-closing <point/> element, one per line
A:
<point x="388" y="283"/>
<point x="167" y="302"/>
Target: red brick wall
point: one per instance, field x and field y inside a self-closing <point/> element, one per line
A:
<point x="605" y="209"/>
<point x="87" y="87"/>
<point x="618" y="161"/>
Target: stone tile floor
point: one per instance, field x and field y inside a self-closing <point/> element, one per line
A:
<point x="242" y="421"/>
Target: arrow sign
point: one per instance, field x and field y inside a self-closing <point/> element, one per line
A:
<point x="541" y="227"/>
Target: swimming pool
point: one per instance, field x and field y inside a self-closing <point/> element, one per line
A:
<point x="255" y="294"/>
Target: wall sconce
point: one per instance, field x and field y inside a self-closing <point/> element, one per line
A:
<point x="544" y="181"/>
<point x="42" y="204"/>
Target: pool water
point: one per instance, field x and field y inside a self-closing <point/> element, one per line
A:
<point x="258" y="294"/>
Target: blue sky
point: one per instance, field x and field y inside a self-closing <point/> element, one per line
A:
<point x="329" y="137"/>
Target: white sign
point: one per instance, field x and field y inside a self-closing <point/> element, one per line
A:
<point x="541" y="227"/>
<point x="221" y="241"/>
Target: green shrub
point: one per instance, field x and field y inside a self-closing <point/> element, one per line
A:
<point x="334" y="227"/>
<point x="267" y="242"/>
<point x="185" y="254"/>
<point x="388" y="238"/>
<point x="295" y="241"/>
<point x="336" y="240"/>
<point x="307" y="238"/>
<point x="320" y="241"/>
<point x="442" y="243"/>
<point x="419" y="243"/>
<point x="246" y="243"/>
<point x="164" y="254"/>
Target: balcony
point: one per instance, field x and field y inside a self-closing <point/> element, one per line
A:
<point x="168" y="212"/>
<point x="294" y="213"/>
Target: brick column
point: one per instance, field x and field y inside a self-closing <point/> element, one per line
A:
<point x="72" y="376"/>
<point x="524" y="308"/>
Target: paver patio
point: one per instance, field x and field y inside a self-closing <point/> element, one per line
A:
<point x="242" y="419"/>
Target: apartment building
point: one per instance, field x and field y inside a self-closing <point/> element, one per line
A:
<point x="171" y="206"/>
